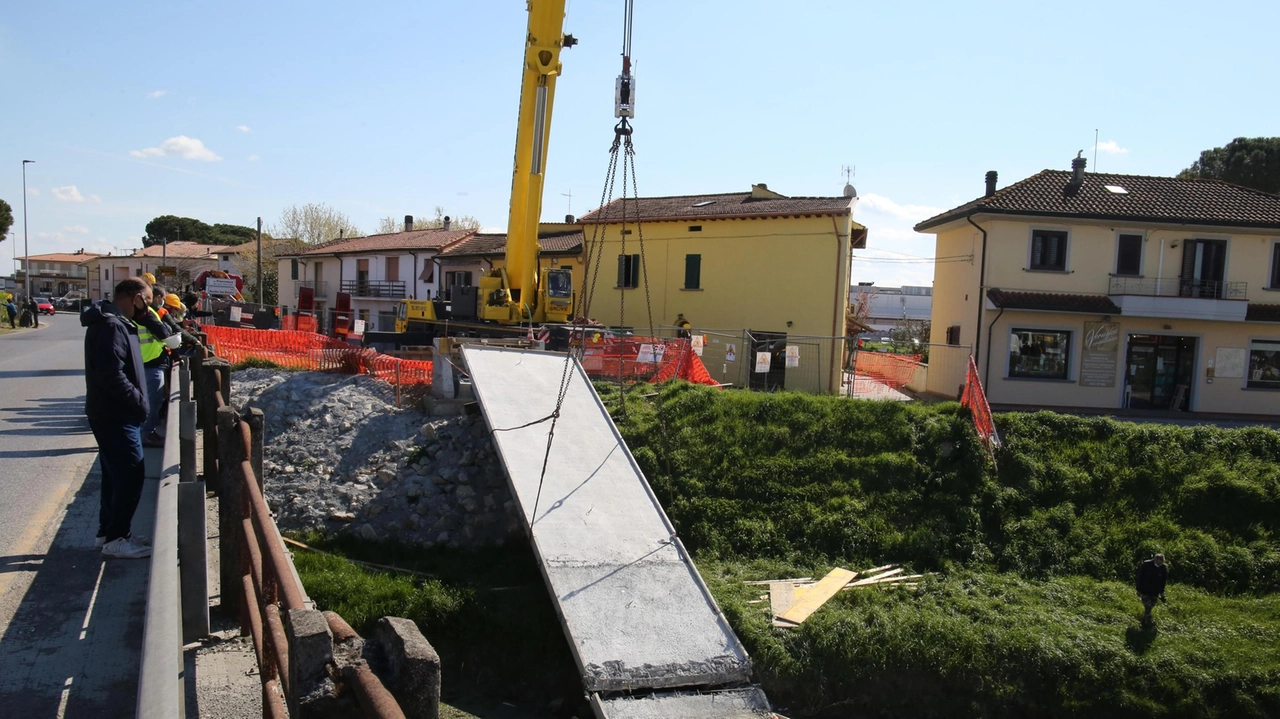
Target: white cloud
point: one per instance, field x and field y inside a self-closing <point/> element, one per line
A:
<point x="68" y="194"/>
<point x="157" y="94"/>
<point x="96" y="199"/>
<point x="884" y="205"/>
<point x="244" y="128"/>
<point x="1111" y="147"/>
<point x="33" y="192"/>
<point x="180" y="146"/>
<point x="50" y="236"/>
<point x="78" y="229"/>
<point x="253" y="158"/>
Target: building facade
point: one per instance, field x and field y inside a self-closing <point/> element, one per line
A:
<point x="1114" y="291"/>
<point x="760" y="261"/>
<point x="54" y="274"/>
<point x="376" y="271"/>
<point x="465" y="261"/>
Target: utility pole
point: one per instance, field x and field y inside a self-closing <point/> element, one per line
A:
<point x="26" y="248"/>
<point x="259" y="285"/>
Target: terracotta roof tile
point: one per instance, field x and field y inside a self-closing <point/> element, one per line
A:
<point x="1146" y="199"/>
<point x="183" y="249"/>
<point x="486" y="244"/>
<point x="695" y="207"/>
<point x="1262" y="313"/>
<point x="1052" y="302"/>
<point x="76" y="257"/>
<point x="415" y="240"/>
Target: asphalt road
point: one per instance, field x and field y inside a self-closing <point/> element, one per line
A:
<point x="70" y="622"/>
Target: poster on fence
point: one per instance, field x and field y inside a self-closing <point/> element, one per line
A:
<point x="220" y="286"/>
<point x="730" y="353"/>
<point x="358" y="329"/>
<point x="235" y="314"/>
<point x="697" y="342"/>
<point x="793" y="356"/>
<point x="593" y="360"/>
<point x="763" y="361"/>
<point x="646" y="353"/>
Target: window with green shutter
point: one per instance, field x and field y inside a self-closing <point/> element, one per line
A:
<point x="693" y="272"/>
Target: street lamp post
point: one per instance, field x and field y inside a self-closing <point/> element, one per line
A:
<point x="26" y="248"/>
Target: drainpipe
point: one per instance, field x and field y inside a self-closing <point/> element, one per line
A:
<point x="986" y="372"/>
<point x="842" y="295"/>
<point x="982" y="281"/>
<point x="415" y="274"/>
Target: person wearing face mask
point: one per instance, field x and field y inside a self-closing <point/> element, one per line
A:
<point x="152" y="332"/>
<point x="116" y="404"/>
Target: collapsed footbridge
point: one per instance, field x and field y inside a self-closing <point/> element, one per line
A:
<point x="647" y="636"/>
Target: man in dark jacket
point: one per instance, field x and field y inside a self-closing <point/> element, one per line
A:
<point x="1152" y="575"/>
<point x="116" y="404"/>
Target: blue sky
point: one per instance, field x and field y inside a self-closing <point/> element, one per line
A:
<point x="228" y="111"/>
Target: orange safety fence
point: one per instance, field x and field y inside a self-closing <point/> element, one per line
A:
<point x="302" y="323"/>
<point x="976" y="400"/>
<point x="297" y="350"/>
<point x="893" y="370"/>
<point x="639" y="359"/>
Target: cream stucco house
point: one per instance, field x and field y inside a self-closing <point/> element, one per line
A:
<point x="1078" y="289"/>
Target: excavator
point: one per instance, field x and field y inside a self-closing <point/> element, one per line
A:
<point x="522" y="292"/>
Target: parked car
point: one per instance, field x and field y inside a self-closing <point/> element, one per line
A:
<point x="44" y="306"/>
<point x="70" y="302"/>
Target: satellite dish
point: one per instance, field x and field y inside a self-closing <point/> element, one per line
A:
<point x="849" y="191"/>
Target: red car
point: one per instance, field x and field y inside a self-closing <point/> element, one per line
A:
<point x="44" y="305"/>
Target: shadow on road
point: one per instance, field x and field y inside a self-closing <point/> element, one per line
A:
<point x="75" y="639"/>
<point x="17" y="373"/>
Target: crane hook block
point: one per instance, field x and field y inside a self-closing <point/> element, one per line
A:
<point x="624" y="97"/>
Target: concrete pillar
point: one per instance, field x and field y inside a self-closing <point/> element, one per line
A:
<point x="310" y="652"/>
<point x="256" y="423"/>
<point x="413" y="667"/>
<point x="230" y="508"/>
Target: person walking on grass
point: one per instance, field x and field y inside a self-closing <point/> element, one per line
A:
<point x="1152" y="575"/>
<point x="116" y="404"/>
<point x="13" y="313"/>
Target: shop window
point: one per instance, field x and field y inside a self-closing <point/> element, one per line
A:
<point x="1264" y="364"/>
<point x="1039" y="354"/>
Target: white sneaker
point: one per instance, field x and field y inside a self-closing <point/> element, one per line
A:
<point x="125" y="549"/>
<point x="137" y="539"/>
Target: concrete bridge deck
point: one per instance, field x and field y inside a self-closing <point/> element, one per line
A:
<point x="637" y="614"/>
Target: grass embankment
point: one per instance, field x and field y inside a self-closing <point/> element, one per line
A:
<point x="1030" y="611"/>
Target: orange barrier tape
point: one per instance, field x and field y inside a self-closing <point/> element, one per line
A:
<point x="665" y="360"/>
<point x="297" y="350"/>
<point x="890" y="369"/>
<point x="976" y="400"/>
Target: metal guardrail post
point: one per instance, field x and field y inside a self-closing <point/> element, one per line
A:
<point x="230" y="509"/>
<point x="206" y="408"/>
<point x="186" y="425"/>
<point x="256" y="423"/>
<point x="193" y="560"/>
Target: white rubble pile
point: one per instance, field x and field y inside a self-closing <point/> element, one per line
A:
<point x="339" y="456"/>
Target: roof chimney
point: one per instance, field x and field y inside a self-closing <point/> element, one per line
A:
<point x="1077" y="169"/>
<point x="408" y="223"/>
<point x="446" y="223"/>
<point x="569" y="219"/>
<point x="991" y="182"/>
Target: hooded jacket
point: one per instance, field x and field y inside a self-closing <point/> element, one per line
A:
<point x="1152" y="578"/>
<point x="115" y="386"/>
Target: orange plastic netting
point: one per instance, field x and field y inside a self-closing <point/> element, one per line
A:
<point x="890" y="369"/>
<point x="976" y="400"/>
<point x="639" y="359"/>
<point x="298" y="350"/>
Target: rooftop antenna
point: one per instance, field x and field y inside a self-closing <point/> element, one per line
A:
<point x="569" y="195"/>
<point x="850" y="171"/>
<point x="1095" y="149"/>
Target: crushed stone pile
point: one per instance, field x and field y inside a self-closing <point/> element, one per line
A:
<point x="340" y="457"/>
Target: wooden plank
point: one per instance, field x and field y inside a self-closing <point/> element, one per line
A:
<point x="818" y="595"/>
<point x="869" y="572"/>
<point x="775" y="581"/>
<point x="877" y="578"/>
<point x="781" y="596"/>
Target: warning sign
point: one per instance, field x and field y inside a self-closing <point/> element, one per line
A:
<point x="763" y="361"/>
<point x="793" y="356"/>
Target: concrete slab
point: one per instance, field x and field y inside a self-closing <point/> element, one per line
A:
<point x="730" y="704"/>
<point x="635" y="611"/>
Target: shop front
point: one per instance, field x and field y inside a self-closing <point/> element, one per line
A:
<point x="1159" y="372"/>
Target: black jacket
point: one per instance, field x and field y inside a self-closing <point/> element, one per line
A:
<point x="116" y="389"/>
<point x="1151" y="577"/>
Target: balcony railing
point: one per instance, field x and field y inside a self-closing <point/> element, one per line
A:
<point x="374" y="288"/>
<point x="321" y="287"/>
<point x="1178" y="287"/>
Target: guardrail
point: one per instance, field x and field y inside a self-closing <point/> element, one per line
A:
<point x="293" y="643"/>
<point x="1178" y="287"/>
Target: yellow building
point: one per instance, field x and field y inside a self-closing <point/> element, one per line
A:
<point x="760" y="261"/>
<point x="1078" y="289"/>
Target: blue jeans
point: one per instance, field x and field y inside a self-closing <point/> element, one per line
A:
<point x="123" y="472"/>
<point x="155" y="386"/>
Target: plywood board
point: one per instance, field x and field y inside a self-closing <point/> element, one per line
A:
<point x="814" y="598"/>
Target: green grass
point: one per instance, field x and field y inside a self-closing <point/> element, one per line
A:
<point x="257" y="363"/>
<point x="1029" y="612"/>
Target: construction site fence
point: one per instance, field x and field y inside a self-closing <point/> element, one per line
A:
<point x="771" y="361"/>
<point x="259" y="582"/>
<point x="300" y="350"/>
<point x="975" y="399"/>
<point x="642" y="359"/>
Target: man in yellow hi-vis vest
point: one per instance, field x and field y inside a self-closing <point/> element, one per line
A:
<point x="155" y="361"/>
